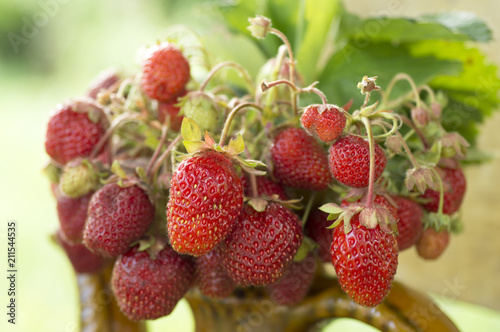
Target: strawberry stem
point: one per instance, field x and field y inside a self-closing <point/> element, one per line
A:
<point x="399" y="77"/>
<point x="231" y="116"/>
<point x="164" y="131"/>
<point x="308" y="209"/>
<point x="419" y="133"/>
<point x="429" y="90"/>
<point x="291" y="63"/>
<point x="367" y="98"/>
<point x="408" y="151"/>
<point x="164" y="155"/>
<point x="116" y="122"/>
<point x="371" y="179"/>
<point x="238" y="67"/>
<point x="265" y="85"/>
<point x="441" y="191"/>
<point x="253" y="177"/>
<point x="317" y="91"/>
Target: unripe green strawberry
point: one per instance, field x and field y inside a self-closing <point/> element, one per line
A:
<point x="200" y="109"/>
<point x="78" y="178"/>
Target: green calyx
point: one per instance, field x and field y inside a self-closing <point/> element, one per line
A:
<point x="192" y="140"/>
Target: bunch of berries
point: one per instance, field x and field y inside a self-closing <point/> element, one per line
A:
<point x="142" y="183"/>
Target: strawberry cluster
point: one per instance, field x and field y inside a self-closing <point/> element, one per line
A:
<point x="142" y="183"/>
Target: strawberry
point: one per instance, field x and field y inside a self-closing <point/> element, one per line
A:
<point x="299" y="161"/>
<point x="266" y="187"/>
<point x="432" y="243"/>
<point x="171" y="110"/>
<point x="116" y="218"/>
<point x="103" y="81"/>
<point x="316" y="228"/>
<point x="212" y="277"/>
<point x="165" y="72"/>
<point x="205" y="201"/>
<point x="410" y="227"/>
<point x="293" y="286"/>
<point x="350" y="161"/>
<point x="327" y="125"/>
<point x="149" y="288"/>
<point x="72" y="213"/>
<point x="259" y="249"/>
<point x="365" y="261"/>
<point x="71" y="133"/>
<point x="82" y="259"/>
<point x="454" y="191"/>
<point x="78" y="178"/>
<point x="200" y="107"/>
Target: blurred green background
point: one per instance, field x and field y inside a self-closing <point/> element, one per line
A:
<point x="49" y="51"/>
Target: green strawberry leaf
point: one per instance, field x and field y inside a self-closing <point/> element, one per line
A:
<point x="141" y="173"/>
<point x="312" y="32"/>
<point x="454" y="26"/>
<point x="331" y="208"/>
<point x="236" y="145"/>
<point x="346" y="67"/>
<point x="190" y="130"/>
<point x="194" y="146"/>
<point x="151" y="140"/>
<point x="118" y="170"/>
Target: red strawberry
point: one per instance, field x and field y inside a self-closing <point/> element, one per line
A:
<point x="316" y="228"/>
<point x="212" y="277"/>
<point x="116" y="218"/>
<point x="454" y="191"/>
<point x="72" y="134"/>
<point x="82" y="259"/>
<point x="72" y="213"/>
<point x="205" y="201"/>
<point x="170" y="110"/>
<point x="365" y="261"/>
<point x="410" y="227"/>
<point x="266" y="187"/>
<point x="165" y="72"/>
<point x="299" y="161"/>
<point x="259" y="249"/>
<point x="147" y="288"/>
<point x="103" y="81"/>
<point x="432" y="243"/>
<point x="327" y="126"/>
<point x="293" y="286"/>
<point x="350" y="161"/>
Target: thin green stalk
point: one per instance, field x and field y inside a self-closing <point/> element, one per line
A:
<point x="371" y="142"/>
